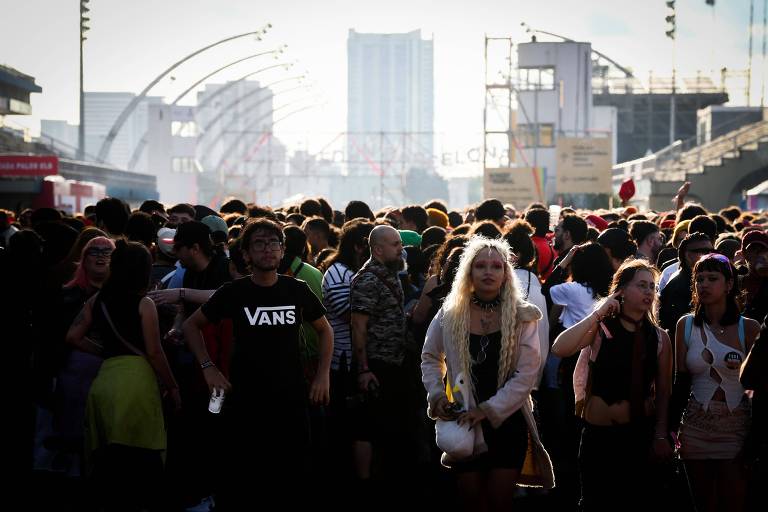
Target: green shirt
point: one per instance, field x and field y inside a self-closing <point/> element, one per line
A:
<point x="313" y="278"/>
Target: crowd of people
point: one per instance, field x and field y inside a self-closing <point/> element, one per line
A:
<point x="184" y="358"/>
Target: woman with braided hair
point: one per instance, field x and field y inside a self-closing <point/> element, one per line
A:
<point x="486" y="331"/>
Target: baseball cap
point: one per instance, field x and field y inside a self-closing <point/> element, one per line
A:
<point x="165" y="240"/>
<point x="192" y="232"/>
<point x="598" y="222"/>
<point x="753" y="238"/>
<point x="218" y="227"/>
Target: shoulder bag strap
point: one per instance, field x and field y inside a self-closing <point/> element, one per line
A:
<point x="125" y="342"/>
<point x="389" y="286"/>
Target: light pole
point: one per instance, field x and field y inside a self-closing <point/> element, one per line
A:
<point x="143" y="142"/>
<point x="277" y="51"/>
<point x="81" y="127"/>
<point x="671" y="31"/>
<point x="248" y="95"/>
<point x="247" y="157"/>
<point x="139" y="149"/>
<point x="123" y="117"/>
<point x="236" y="118"/>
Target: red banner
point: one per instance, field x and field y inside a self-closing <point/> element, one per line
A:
<point x="28" y="165"/>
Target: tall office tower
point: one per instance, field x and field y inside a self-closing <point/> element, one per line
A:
<point x="236" y="148"/>
<point x="390" y="112"/>
<point x="233" y="122"/>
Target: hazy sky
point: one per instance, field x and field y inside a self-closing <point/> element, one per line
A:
<point x="132" y="42"/>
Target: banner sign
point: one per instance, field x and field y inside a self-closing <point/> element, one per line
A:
<point x="583" y="166"/>
<point x="28" y="165"/>
<point x="519" y="186"/>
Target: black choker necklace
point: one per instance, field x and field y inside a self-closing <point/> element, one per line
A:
<point x="486" y="305"/>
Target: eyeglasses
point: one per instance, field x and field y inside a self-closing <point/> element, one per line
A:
<point x="270" y="245"/>
<point x="645" y="287"/>
<point x="104" y="252"/>
<point x="481" y="355"/>
<point x="701" y="250"/>
<point x="716" y="256"/>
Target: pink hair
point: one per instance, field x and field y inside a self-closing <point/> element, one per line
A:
<point x="81" y="279"/>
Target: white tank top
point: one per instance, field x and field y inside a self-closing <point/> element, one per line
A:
<point x="726" y="363"/>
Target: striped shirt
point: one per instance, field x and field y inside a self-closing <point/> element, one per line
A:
<point x="336" y="286"/>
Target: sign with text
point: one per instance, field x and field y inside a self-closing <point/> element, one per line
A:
<point x="583" y="166"/>
<point x="28" y="165"/>
<point x="519" y="186"/>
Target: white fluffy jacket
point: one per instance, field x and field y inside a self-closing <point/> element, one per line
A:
<point x="439" y="357"/>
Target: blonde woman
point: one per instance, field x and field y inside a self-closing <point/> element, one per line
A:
<point x="485" y="330"/>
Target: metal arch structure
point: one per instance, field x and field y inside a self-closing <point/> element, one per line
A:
<point x="276" y="51"/>
<point x="229" y="85"/>
<point x="269" y="135"/>
<point x="256" y="104"/>
<point x="139" y="149"/>
<point x="106" y="146"/>
<point x="248" y="95"/>
<point x="254" y="123"/>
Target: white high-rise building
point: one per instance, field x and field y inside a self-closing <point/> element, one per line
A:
<point x="236" y="149"/>
<point x="60" y="135"/>
<point x="101" y="111"/>
<point x="233" y="121"/>
<point x="390" y="114"/>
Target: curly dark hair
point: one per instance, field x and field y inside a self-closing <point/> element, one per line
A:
<point x="592" y="268"/>
<point x="518" y="236"/>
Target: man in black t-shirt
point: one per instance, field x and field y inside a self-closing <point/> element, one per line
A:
<point x="266" y="407"/>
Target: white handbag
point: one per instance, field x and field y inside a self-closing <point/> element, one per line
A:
<point x="457" y="441"/>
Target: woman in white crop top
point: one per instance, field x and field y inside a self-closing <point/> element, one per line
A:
<point x="712" y="343"/>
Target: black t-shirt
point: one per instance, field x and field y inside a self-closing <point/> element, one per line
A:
<point x="210" y="278"/>
<point x="266" y="369"/>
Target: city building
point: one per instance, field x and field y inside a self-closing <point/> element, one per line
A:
<point x="171" y="146"/>
<point x="390" y="113"/>
<point x="101" y="111"/>
<point x="60" y="135"/>
<point x="236" y="149"/>
<point x="644" y="114"/>
<point x="716" y="120"/>
<point x="15" y="88"/>
<point x="554" y="100"/>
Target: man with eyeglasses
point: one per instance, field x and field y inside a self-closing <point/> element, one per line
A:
<point x="265" y="416"/>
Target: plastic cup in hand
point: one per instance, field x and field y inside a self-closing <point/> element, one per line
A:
<point x="217" y="400"/>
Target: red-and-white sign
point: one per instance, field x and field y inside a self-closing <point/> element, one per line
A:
<point x="28" y="165"/>
<point x="68" y="195"/>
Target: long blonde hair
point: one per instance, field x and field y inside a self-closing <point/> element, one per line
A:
<point x="457" y="306"/>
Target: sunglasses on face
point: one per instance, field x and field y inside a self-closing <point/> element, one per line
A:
<point x="701" y="250"/>
<point x="104" y="252"/>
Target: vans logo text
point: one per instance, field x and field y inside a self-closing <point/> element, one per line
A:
<point x="275" y="315"/>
